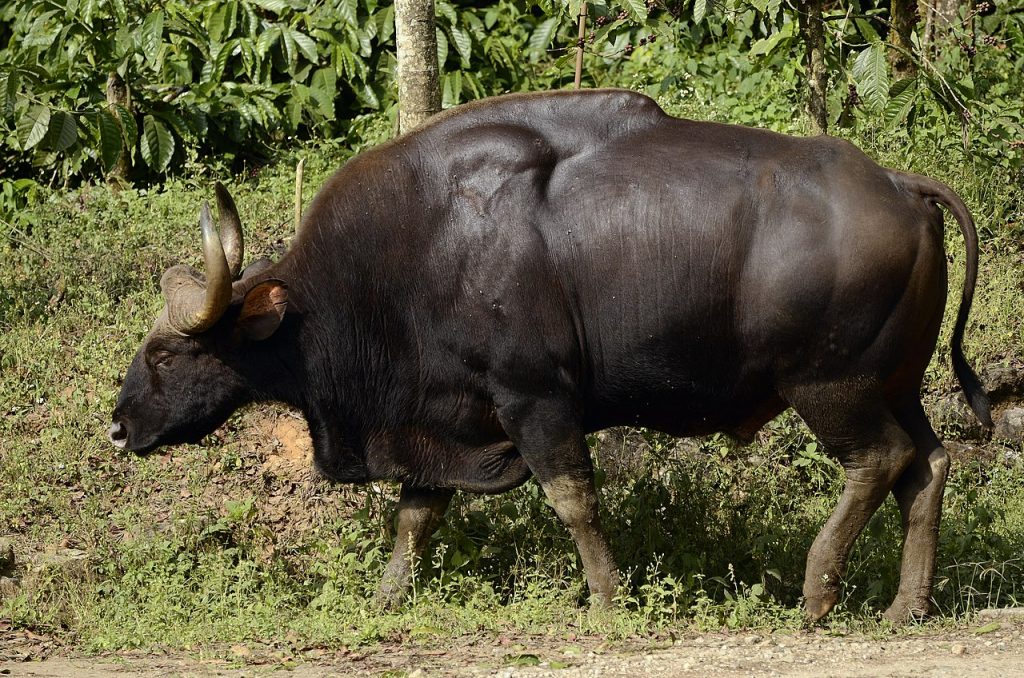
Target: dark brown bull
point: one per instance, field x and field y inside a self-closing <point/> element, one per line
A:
<point x="464" y="303"/>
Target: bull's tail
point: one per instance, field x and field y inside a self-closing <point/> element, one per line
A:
<point x="939" y="193"/>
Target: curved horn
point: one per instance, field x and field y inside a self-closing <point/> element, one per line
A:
<point x="192" y="305"/>
<point x="230" y="229"/>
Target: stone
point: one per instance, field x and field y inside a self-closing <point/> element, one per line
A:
<point x="1003" y="382"/>
<point x="953" y="416"/>
<point x="8" y="587"/>
<point x="1010" y="425"/>
<point x="1001" y="613"/>
<point x="7" y="561"/>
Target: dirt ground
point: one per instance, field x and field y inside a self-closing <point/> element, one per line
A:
<point x="993" y="648"/>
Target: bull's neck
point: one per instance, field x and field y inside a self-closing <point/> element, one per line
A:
<point x="336" y="345"/>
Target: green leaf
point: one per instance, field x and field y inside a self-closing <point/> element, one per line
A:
<point x="129" y="128"/>
<point x="63" y="132"/>
<point x="766" y="46"/>
<point x="87" y="8"/>
<point x="349" y="11"/>
<point x="386" y="27"/>
<point x="120" y="11"/>
<point x="700" y="8"/>
<point x="637" y="9"/>
<point x="369" y="97"/>
<point x="267" y="39"/>
<point x="306" y="45"/>
<point x="902" y="97"/>
<point x="152" y="37"/>
<point x="871" y="73"/>
<point x="157" y="144"/>
<point x="220" y="61"/>
<point x="33" y="125"/>
<point x="110" y="140"/>
<point x="867" y="30"/>
<point x="543" y="34"/>
<point x="217" y="23"/>
<point x="442" y="46"/>
<point x="522" y="660"/>
<point x="278" y="7"/>
<point x="291" y="50"/>
<point x="10" y="93"/>
<point x="446" y="10"/>
<point x="322" y="87"/>
<point x="463" y="45"/>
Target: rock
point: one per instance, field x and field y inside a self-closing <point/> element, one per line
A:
<point x="965" y="451"/>
<point x="1010" y="425"/>
<point x="1001" y="613"/>
<point x="1003" y="382"/>
<point x="8" y="587"/>
<point x="953" y="416"/>
<point x="6" y="558"/>
<point x="70" y="563"/>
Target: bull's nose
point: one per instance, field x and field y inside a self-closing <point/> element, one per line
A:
<point x="118" y="435"/>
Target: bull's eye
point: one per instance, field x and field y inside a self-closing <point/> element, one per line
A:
<point x="162" y="358"/>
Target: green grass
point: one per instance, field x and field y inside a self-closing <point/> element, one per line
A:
<point x="203" y="548"/>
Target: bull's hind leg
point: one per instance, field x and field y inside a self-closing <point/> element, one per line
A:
<point x="855" y="425"/>
<point x="918" y="493"/>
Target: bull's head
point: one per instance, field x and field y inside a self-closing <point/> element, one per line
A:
<point x="190" y="373"/>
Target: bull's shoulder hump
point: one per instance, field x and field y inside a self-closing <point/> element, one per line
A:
<point x="567" y="120"/>
<point x="577" y="105"/>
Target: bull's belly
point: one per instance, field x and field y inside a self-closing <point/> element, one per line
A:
<point x="738" y="414"/>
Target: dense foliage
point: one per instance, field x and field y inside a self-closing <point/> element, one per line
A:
<point x="137" y="89"/>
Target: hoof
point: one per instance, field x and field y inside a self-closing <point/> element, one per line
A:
<point x="903" y="612"/>
<point x="389" y="598"/>
<point x="600" y="608"/>
<point x="601" y="601"/>
<point x="816" y="607"/>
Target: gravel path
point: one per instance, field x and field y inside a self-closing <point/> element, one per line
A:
<point x="993" y="648"/>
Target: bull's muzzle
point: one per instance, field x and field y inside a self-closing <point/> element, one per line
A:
<point x="118" y="435"/>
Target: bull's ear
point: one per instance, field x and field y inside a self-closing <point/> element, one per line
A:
<point x="263" y="309"/>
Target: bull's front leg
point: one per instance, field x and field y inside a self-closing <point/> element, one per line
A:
<point x="420" y="511"/>
<point x="548" y="436"/>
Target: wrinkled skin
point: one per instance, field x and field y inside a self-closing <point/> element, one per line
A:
<point x="465" y="303"/>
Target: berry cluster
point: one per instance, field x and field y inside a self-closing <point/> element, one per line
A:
<point x="968" y="49"/>
<point x="852" y="97"/>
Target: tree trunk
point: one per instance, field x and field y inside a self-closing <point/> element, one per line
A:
<point x="118" y="95"/>
<point x="812" y="32"/>
<point x="941" y="15"/>
<point x="419" y="91"/>
<point x="903" y="20"/>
